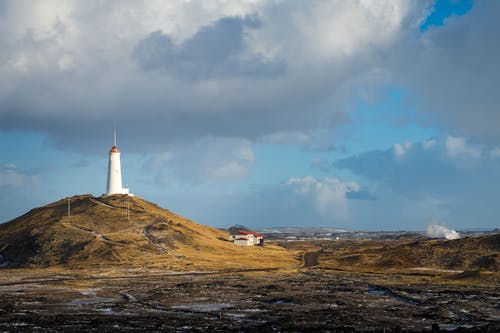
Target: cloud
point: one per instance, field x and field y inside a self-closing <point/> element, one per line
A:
<point x="329" y="195"/>
<point x="447" y="178"/>
<point x="179" y="71"/>
<point x="453" y="71"/>
<point x="81" y="163"/>
<point x="19" y="189"/>
<point x="298" y="201"/>
<point x="400" y="149"/>
<point x="434" y="166"/>
<point x="360" y="195"/>
<point x="217" y="50"/>
<point x="495" y="153"/>
<point x="456" y="147"/>
<point x="250" y="70"/>
<point x="429" y="144"/>
<point x="322" y="31"/>
<point x="206" y="161"/>
<point x="13" y="178"/>
<point x="321" y="164"/>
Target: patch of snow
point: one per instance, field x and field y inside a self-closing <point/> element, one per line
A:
<point x="86" y="301"/>
<point x="209" y="307"/>
<point x="436" y="270"/>
<point x="254" y="310"/>
<point x="235" y="315"/>
<point x="88" y="292"/>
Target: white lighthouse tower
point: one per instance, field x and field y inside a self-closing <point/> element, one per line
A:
<point x="114" y="185"/>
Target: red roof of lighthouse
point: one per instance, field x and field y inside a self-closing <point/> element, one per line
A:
<point x="114" y="149"/>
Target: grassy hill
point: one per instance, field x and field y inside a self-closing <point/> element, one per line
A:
<point x="469" y="253"/>
<point x="104" y="232"/>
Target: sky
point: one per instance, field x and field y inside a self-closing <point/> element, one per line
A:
<point x="372" y="115"/>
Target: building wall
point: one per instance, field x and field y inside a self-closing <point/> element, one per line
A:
<point x="248" y="238"/>
<point x="114" y="183"/>
<point x="244" y="242"/>
<point x="257" y="240"/>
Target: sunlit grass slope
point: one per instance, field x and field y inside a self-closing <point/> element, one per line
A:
<point x="127" y="231"/>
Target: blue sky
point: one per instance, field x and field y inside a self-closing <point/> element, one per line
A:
<point x="359" y="115"/>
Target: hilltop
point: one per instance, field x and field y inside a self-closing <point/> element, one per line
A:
<point x="123" y="230"/>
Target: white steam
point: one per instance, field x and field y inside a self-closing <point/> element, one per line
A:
<point x="437" y="230"/>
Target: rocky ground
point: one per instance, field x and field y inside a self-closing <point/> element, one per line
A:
<point x="150" y="270"/>
<point x="303" y="300"/>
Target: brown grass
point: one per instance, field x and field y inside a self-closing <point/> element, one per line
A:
<point x="99" y="234"/>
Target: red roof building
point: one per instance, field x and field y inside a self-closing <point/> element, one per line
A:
<point x="245" y="237"/>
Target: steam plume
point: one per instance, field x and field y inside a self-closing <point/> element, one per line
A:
<point x="437" y="230"/>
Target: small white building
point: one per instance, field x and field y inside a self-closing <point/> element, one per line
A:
<point x="243" y="241"/>
<point x="248" y="238"/>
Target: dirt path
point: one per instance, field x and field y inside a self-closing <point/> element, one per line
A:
<point x="92" y="232"/>
<point x="94" y="200"/>
<point x="151" y="239"/>
<point x="310" y="259"/>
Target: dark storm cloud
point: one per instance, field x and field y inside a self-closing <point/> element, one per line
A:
<point x="216" y="50"/>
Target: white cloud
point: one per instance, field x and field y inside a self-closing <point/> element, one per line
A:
<point x="429" y="144"/>
<point x="331" y="30"/>
<point x="328" y="194"/>
<point x="456" y="147"/>
<point x="400" y="149"/>
<point x="207" y="160"/>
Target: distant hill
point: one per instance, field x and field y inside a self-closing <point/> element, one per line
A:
<point x="468" y="253"/>
<point x="103" y="231"/>
<point x="236" y="229"/>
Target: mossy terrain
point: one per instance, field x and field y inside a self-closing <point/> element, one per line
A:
<point x="466" y="260"/>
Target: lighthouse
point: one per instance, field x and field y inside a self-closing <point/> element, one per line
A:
<point x="114" y="184"/>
